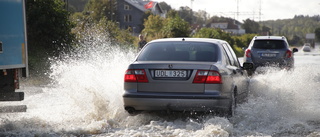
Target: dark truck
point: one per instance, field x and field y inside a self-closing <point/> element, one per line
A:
<point x="13" y="49"/>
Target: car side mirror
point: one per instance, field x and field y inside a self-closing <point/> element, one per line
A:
<point x="247" y="66"/>
<point x="295" y="50"/>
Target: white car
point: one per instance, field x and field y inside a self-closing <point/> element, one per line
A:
<point x="306" y="48"/>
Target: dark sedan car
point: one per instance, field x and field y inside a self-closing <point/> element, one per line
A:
<point x="185" y="74"/>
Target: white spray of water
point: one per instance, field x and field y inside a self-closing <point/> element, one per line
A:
<point x="282" y="103"/>
<point x="85" y="96"/>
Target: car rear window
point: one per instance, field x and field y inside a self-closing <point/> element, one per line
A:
<point x="269" y="44"/>
<point x="179" y="51"/>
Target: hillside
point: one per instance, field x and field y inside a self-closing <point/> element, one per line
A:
<point x="295" y="29"/>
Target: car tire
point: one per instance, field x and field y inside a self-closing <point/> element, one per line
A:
<point x="233" y="103"/>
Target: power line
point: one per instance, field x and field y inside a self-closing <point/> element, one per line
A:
<point x="238" y="13"/>
<point x="191" y="6"/>
<point x="260" y="2"/>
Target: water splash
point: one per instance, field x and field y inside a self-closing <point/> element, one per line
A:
<point x="281" y="103"/>
<point x="85" y="95"/>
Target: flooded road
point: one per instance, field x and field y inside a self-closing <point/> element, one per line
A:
<point x="84" y="98"/>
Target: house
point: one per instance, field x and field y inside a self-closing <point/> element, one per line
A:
<point x="220" y="25"/>
<point x="229" y="26"/>
<point x="130" y="13"/>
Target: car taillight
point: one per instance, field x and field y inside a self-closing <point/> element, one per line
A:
<point x="135" y="75"/>
<point x="248" y="53"/>
<point x="288" y="54"/>
<point x="208" y="77"/>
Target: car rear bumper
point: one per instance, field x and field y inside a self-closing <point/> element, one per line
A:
<point x="175" y="102"/>
<point x="273" y="63"/>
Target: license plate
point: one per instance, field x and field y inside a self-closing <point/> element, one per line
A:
<point x="171" y="73"/>
<point x="268" y="55"/>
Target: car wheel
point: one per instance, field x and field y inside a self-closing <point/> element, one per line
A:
<point x="233" y="104"/>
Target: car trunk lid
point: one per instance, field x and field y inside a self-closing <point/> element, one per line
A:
<point x="172" y="77"/>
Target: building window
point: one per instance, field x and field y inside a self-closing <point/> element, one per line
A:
<point x="127" y="18"/>
<point x="127" y="7"/>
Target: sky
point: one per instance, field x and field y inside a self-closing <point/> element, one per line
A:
<point x="270" y="9"/>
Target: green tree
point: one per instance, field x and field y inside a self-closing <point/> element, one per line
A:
<point x="266" y="30"/>
<point x="172" y="14"/>
<point x="207" y="33"/>
<point x="99" y="9"/>
<point x="157" y="27"/>
<point x="176" y="27"/>
<point x="153" y="26"/>
<point x="200" y="17"/>
<point x="214" y="33"/>
<point x="48" y="25"/>
<point x="186" y="14"/>
<point x="243" y="41"/>
<point x="48" y="30"/>
<point x="251" y="26"/>
<point x="119" y="36"/>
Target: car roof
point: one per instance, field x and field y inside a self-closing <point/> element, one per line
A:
<point x="270" y="37"/>
<point x="210" y="40"/>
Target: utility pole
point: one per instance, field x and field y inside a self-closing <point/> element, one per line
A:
<point x="192" y="3"/>
<point x="237" y="17"/>
<point x="237" y="9"/>
<point x="192" y="11"/>
<point x="260" y="10"/>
